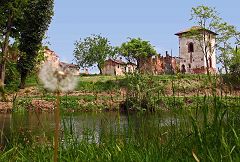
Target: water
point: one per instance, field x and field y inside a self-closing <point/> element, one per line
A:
<point x="80" y="124"/>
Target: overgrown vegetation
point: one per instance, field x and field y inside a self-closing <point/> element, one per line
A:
<point x="202" y="121"/>
<point x="207" y="131"/>
<point x="133" y="92"/>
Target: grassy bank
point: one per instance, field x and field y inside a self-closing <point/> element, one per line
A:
<point x="131" y="92"/>
<point x="203" y="121"/>
<point x="205" y="133"/>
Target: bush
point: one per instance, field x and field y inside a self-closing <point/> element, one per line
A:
<point x="12" y="74"/>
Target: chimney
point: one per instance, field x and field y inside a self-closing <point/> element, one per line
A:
<point x="166" y="53"/>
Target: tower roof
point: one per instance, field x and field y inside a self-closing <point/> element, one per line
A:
<point x="198" y="28"/>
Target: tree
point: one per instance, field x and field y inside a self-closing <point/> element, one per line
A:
<point x="135" y="49"/>
<point x="233" y="76"/>
<point x="237" y="37"/>
<point x="93" y="50"/>
<point x="235" y="63"/>
<point x="206" y="19"/>
<point x="36" y="19"/>
<point x="226" y="36"/>
<point x="10" y="12"/>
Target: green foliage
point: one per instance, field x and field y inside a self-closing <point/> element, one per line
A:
<point x="235" y="62"/>
<point x="93" y="50"/>
<point x="208" y="19"/>
<point x="205" y="16"/>
<point x="36" y="19"/>
<point x="12" y="74"/>
<point x="13" y="84"/>
<point x="225" y="38"/>
<point x="234" y="75"/>
<point x="142" y="92"/>
<point x="21" y="105"/>
<point x="11" y="11"/>
<point x="183" y="135"/>
<point x="135" y="49"/>
<point x="40" y="56"/>
<point x="97" y="86"/>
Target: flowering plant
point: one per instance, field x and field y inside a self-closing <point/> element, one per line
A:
<point x="56" y="78"/>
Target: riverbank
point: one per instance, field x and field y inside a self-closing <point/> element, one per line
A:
<point x="186" y="134"/>
<point x="166" y="118"/>
<point x="109" y="93"/>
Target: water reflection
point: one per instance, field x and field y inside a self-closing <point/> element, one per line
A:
<point x="5" y="122"/>
<point x="83" y="125"/>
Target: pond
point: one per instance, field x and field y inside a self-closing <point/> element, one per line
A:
<point x="82" y="125"/>
<point x="112" y="136"/>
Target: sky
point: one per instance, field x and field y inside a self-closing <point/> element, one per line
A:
<point x="153" y="20"/>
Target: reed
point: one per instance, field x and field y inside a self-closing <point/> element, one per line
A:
<point x="191" y="122"/>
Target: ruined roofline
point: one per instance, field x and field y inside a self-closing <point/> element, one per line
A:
<point x="196" y="28"/>
<point x="64" y="64"/>
<point x="121" y="62"/>
<point x="131" y="63"/>
<point x="51" y="51"/>
<point x="167" y="56"/>
<point x="116" y="61"/>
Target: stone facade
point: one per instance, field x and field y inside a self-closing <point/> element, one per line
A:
<point x="51" y="56"/>
<point x="117" y="67"/>
<point x="72" y="67"/>
<point x="84" y="71"/>
<point x="192" y="58"/>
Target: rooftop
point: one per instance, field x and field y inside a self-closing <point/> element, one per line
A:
<point x="51" y="52"/>
<point x="120" y="62"/>
<point x="196" y="28"/>
<point x="64" y="64"/>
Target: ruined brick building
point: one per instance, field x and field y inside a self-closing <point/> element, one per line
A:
<point x="159" y="64"/>
<point x="192" y="58"/>
<point x="118" y="67"/>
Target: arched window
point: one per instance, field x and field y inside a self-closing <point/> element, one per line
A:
<point x="190" y="47"/>
<point x="183" y="69"/>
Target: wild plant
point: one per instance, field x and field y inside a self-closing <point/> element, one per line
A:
<point x="57" y="79"/>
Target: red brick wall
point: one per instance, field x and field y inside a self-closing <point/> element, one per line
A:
<point x="157" y="65"/>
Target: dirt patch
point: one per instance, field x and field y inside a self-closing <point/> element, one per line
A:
<point x="42" y="105"/>
<point x="6" y="107"/>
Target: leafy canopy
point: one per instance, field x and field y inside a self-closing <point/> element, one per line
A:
<point x="93" y="50"/>
<point x="205" y="17"/>
<point x="225" y="42"/>
<point x="33" y="26"/>
<point x="136" y="48"/>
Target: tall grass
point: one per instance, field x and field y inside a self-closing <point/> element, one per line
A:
<point x="174" y="136"/>
<point x="201" y="124"/>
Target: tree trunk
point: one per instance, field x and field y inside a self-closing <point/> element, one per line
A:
<point x="5" y="49"/>
<point x="23" y="81"/>
<point x="225" y="59"/>
<point x="208" y="73"/>
<point x="225" y="67"/>
<point x="100" y="69"/>
<point x="3" y="69"/>
<point x="138" y="65"/>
